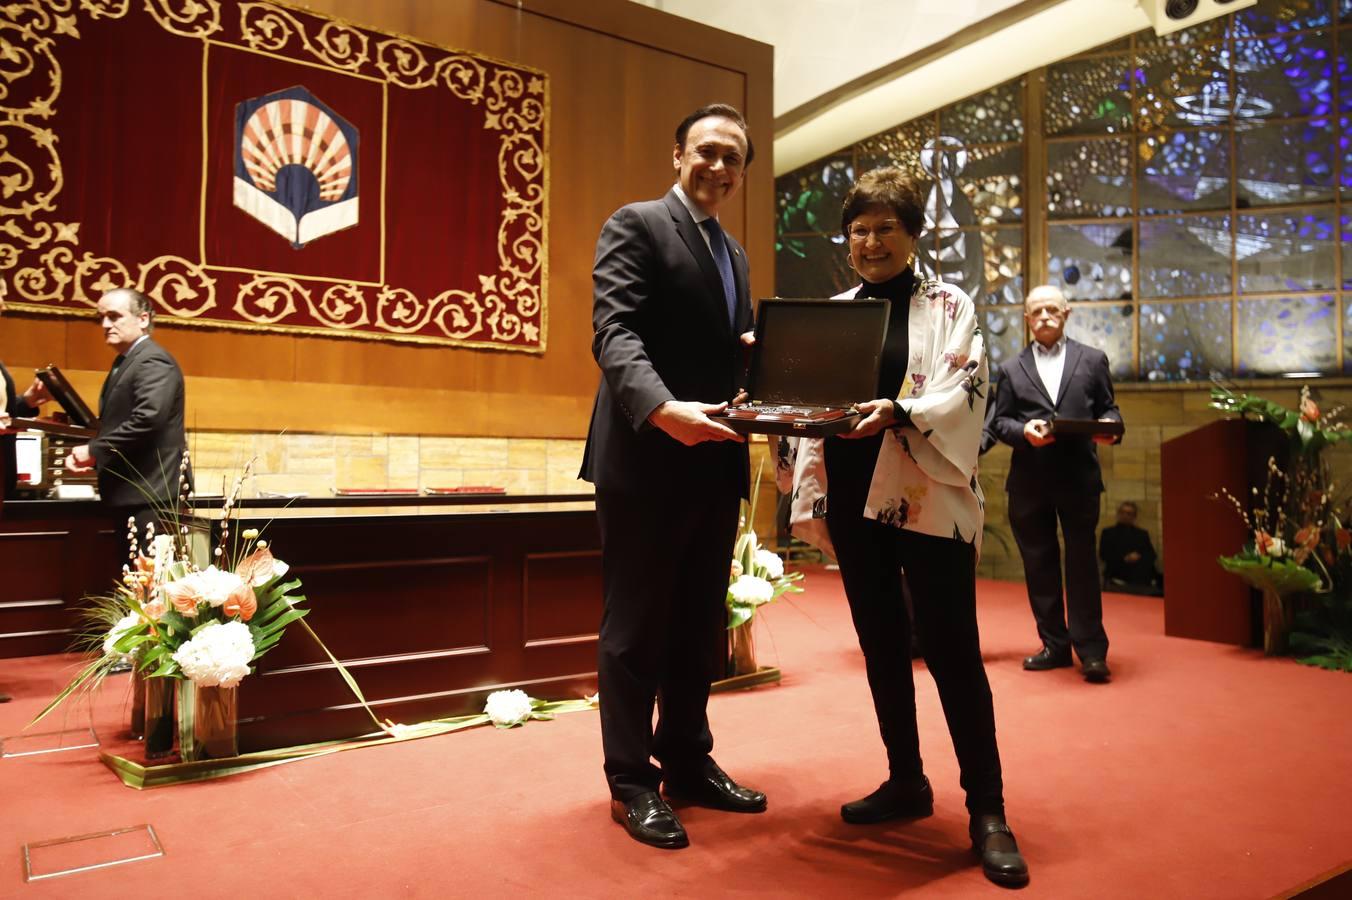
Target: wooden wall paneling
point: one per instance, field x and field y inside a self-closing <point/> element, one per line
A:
<point x="621" y="76"/>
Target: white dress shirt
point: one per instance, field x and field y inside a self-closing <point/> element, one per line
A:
<point x="696" y="213"/>
<point x="1051" y="362"/>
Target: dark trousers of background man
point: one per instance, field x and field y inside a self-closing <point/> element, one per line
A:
<point x="1033" y="519"/>
<point x="663" y="632"/>
<point x="941" y="575"/>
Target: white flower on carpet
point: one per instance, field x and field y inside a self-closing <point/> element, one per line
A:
<point x="218" y="655"/>
<point x="771" y="563"/>
<point x="124" y="625"/>
<point x="507" y="709"/>
<point x="752" y="591"/>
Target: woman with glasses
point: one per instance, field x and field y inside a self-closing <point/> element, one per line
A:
<point x="900" y="493"/>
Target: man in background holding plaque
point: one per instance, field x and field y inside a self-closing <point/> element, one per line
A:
<point x="140" y="445"/>
<point x="1055" y="478"/>
<point x="670" y="301"/>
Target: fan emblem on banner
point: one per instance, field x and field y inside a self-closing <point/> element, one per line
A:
<point x="295" y="165"/>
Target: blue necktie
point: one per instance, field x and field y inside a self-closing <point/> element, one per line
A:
<point x="718" y="245"/>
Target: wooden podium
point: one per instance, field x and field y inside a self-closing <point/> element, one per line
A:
<point x="1201" y="600"/>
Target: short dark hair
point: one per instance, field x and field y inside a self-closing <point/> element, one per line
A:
<point x="137" y="302"/>
<point x="723" y="111"/>
<point x="885" y="186"/>
<point x="1131" y="503"/>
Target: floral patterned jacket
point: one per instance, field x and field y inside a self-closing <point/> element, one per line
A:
<point x="925" y="479"/>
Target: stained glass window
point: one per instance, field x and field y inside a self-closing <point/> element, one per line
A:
<point x="1089" y="178"/>
<point x="1287" y="334"/>
<point x="1188" y="198"/>
<point x="1090" y="262"/>
<point x="1184" y="170"/>
<point x="1184" y="341"/>
<point x="1188" y="256"/>
<point x="1110" y="329"/>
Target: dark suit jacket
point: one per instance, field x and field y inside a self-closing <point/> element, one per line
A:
<point x="15" y="407"/>
<point x="141" y="442"/>
<point x="1086" y="392"/>
<point x="661" y="333"/>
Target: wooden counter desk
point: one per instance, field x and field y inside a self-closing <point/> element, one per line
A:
<point x="430" y="604"/>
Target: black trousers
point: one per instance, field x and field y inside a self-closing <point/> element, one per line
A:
<point x="1077" y="620"/>
<point x="662" y="637"/>
<point x="941" y="576"/>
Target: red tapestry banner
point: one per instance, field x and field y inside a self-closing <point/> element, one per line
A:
<point x="255" y="166"/>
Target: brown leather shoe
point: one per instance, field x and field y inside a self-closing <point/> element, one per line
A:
<point x="714" y="788"/>
<point x="650" y="821"/>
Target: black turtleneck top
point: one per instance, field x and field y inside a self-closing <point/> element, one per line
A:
<point x="896" y="347"/>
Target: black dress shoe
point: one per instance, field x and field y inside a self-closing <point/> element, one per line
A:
<point x="1045" y="659"/>
<point x="892" y="800"/>
<point x="1095" y="670"/>
<point x="713" y="788"/>
<point x="1001" y="860"/>
<point x="650" y="821"/>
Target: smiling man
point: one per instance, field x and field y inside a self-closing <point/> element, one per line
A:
<point x="139" y="448"/>
<point x="670" y="300"/>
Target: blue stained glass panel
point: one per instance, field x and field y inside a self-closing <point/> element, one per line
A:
<point x="1284" y="162"/>
<point x="1287" y="334"/>
<point x="1109" y="328"/>
<point x="1185" y="341"/>
<point x="1285" y="76"/>
<point x="1286" y="251"/>
<point x="1281" y="15"/>
<point x="1185" y="257"/>
<point x="1090" y="262"/>
<point x="1183" y="170"/>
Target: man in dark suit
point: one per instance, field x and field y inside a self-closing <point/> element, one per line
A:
<point x="140" y="445"/>
<point x="670" y="302"/>
<point x="1127" y="554"/>
<point x="1057" y="477"/>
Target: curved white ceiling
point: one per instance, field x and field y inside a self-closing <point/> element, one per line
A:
<point x="826" y="45"/>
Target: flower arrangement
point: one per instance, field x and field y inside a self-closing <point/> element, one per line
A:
<point x="1298" y="541"/>
<point x="174" y="619"/>
<point x="757" y="575"/>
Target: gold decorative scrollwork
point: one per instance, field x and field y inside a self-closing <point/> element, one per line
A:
<point x="464" y="312"/>
<point x="401" y="311"/>
<point x="268" y="299"/>
<point x="181" y="288"/>
<point x="190" y="18"/>
<point x="342" y="306"/>
<point x="85" y="278"/>
<point x="43" y="256"/>
<point x="19" y="180"/>
<point x="267" y="27"/>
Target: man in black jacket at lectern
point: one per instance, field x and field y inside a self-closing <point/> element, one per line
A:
<point x="671" y="299"/>
<point x="140" y="445"/>
<point x="1055" y="477"/>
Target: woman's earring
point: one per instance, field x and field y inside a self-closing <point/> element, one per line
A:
<point x="849" y="261"/>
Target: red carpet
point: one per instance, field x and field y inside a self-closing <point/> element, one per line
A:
<point x="1200" y="771"/>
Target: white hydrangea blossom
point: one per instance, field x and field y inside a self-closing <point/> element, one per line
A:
<point x="771" y="563"/>
<point x="1277" y="548"/>
<point x="216" y="585"/>
<point x="508" y="708"/>
<point x="750" y="590"/>
<point x="115" y="634"/>
<point x="218" y="655"/>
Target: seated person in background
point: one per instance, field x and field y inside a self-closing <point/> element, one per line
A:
<point x="1127" y="554"/>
